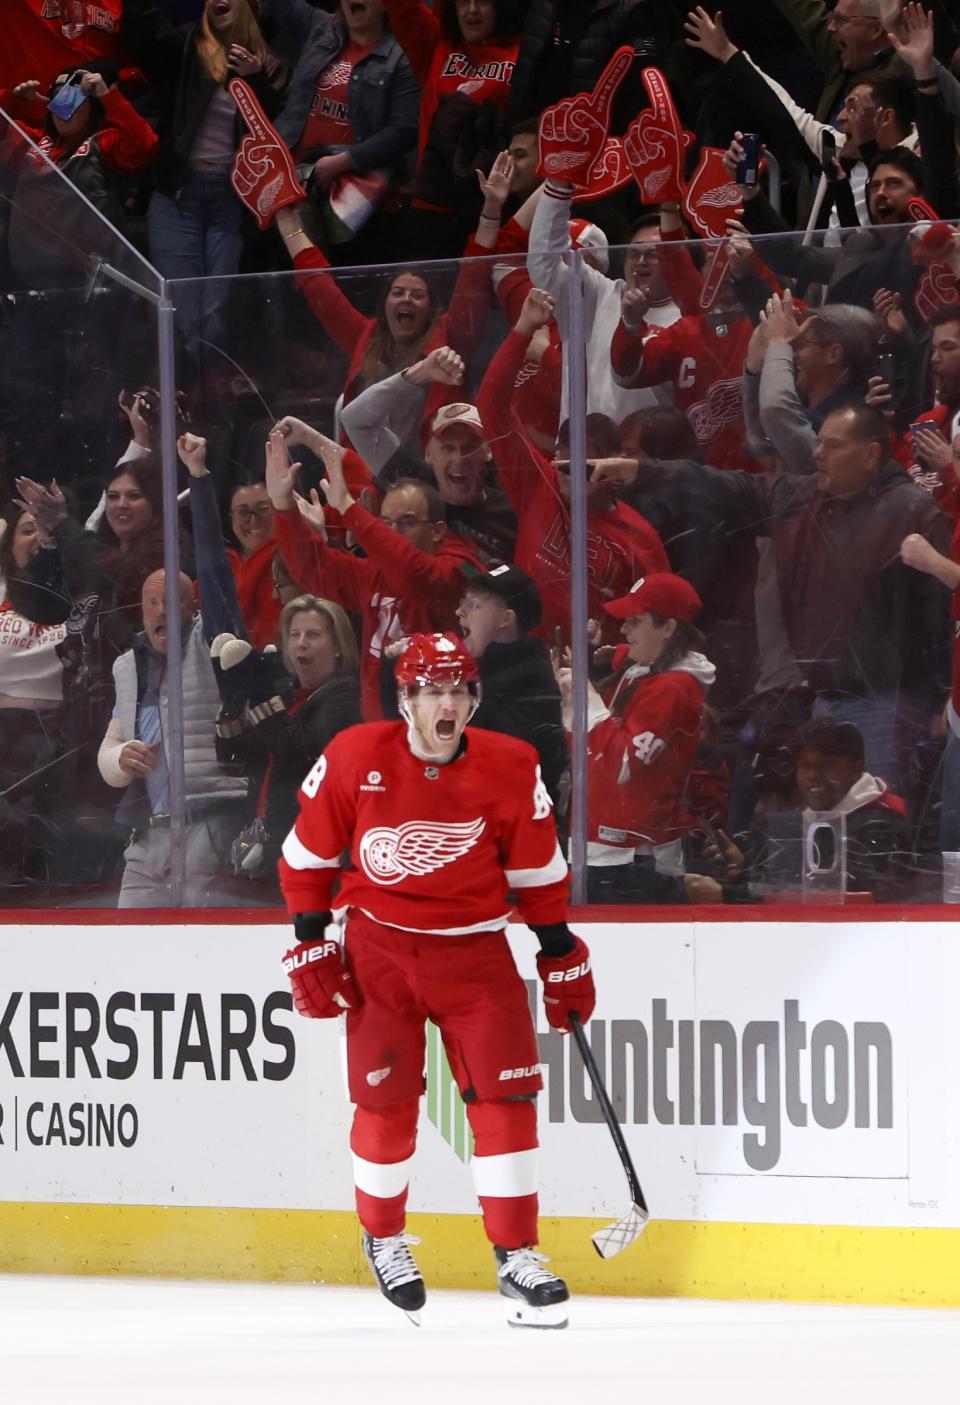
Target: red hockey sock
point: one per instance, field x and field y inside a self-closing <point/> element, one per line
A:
<point x="382" y="1140"/>
<point x="504" y="1170"/>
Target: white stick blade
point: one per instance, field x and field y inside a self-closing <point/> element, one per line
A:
<point x="619" y="1236"/>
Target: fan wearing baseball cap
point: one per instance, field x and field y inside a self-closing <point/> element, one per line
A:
<point x="642" y="743"/>
<point x="497" y="612"/>
<point x="383" y="424"/>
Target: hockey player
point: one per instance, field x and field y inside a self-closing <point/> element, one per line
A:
<point x="436" y="838"/>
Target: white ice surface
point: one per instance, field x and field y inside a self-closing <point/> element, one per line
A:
<point x="85" y="1341"/>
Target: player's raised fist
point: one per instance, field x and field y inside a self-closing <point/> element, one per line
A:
<point x="567" y="986"/>
<point x="573" y="133"/>
<point x="322" y="986"/>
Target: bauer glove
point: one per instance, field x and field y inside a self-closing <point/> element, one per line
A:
<point x="567" y="985"/>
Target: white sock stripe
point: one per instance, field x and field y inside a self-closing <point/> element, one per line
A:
<point x="512" y="1173"/>
<point x="383" y="1181"/>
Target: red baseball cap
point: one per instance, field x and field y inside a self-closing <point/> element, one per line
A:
<point x="663" y="593"/>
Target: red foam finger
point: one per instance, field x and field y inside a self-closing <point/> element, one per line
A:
<point x="659" y="95"/>
<point x="609" y="81"/>
<point x="249" y="109"/>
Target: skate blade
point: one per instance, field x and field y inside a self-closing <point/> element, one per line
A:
<point x="413" y="1317"/>
<point x="552" y="1318"/>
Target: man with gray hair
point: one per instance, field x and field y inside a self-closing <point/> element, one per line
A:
<point x="799" y="370"/>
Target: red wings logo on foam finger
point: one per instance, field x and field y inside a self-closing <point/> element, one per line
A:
<point x="611" y="172"/>
<point x="712" y="197"/>
<point x="655" y="144"/>
<point x="264" y="174"/>
<point x="573" y="133"/>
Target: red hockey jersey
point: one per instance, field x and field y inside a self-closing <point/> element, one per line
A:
<point x="704" y="360"/>
<point x="432" y="848"/>
<point x="640" y="755"/>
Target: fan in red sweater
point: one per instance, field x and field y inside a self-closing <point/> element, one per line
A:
<point x="460" y="46"/>
<point x="104" y="121"/>
<point x="411" y="578"/>
<point x="409" y="323"/>
<point x="621" y="545"/>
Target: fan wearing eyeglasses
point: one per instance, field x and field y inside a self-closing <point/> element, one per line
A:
<point x="251" y="559"/>
<point x="411" y="576"/>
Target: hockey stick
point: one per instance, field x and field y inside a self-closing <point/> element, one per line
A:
<point x="630" y="1226"/>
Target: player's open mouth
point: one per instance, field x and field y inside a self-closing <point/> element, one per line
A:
<point x="446" y="729"/>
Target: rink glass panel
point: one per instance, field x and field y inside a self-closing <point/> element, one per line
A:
<point x="78" y="324"/>
<point x="248" y="351"/>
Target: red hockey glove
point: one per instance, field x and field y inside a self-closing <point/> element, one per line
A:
<point x="264" y="174"/>
<point x="567" y="985"/>
<point x="322" y="986"/>
<point x="655" y="144"/>
<point x="573" y="132"/>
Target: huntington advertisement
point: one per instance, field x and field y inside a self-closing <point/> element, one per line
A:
<point x="789" y="1073"/>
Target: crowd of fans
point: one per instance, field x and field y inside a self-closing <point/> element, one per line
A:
<point x="374" y="433"/>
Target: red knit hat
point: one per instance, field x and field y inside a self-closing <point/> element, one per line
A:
<point x="662" y="593"/>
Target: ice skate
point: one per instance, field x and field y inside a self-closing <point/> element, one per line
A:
<point x="536" y="1298"/>
<point x="396" y="1272"/>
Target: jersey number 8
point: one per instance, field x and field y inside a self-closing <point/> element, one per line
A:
<point x="312" y="781"/>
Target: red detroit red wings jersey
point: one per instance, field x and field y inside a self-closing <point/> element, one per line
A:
<point x="432" y="848"/>
<point x="704" y="359"/>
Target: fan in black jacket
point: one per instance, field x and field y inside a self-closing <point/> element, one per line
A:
<point x="519" y="694"/>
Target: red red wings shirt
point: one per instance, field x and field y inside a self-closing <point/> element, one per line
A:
<point x="479" y="71"/>
<point x="432" y="848"/>
<point x="621" y="544"/>
<point x="40" y="38"/>
<point x="640" y="756"/>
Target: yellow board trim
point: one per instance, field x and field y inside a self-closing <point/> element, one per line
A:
<point x="674" y="1258"/>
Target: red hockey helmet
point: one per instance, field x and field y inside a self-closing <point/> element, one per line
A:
<point x="436" y="658"/>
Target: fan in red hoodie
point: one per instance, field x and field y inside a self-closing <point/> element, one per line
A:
<point x="642" y="745"/>
<point x="620" y="543"/>
<point x="411" y="578"/>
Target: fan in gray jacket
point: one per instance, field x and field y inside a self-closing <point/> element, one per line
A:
<point x="135" y="754"/>
<point x="379" y="119"/>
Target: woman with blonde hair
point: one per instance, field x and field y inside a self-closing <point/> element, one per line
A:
<point x="276" y="740"/>
<point x="195" y="221"/>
